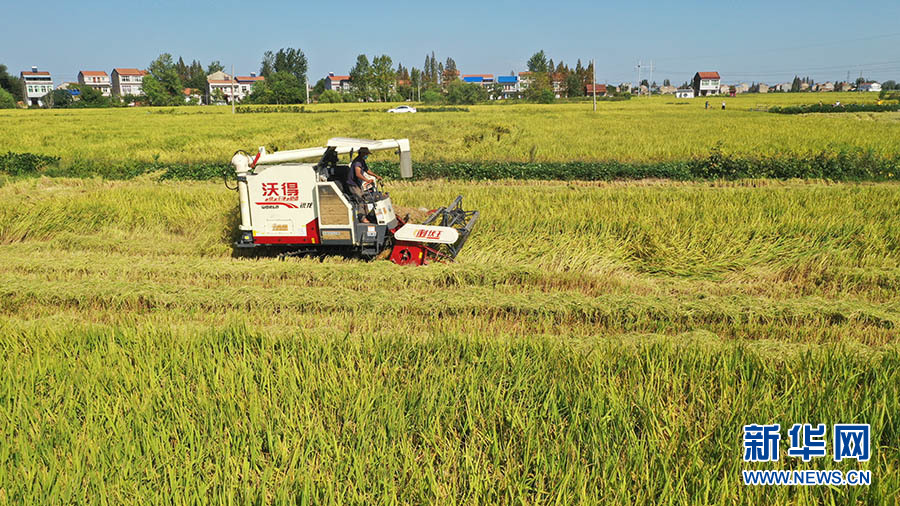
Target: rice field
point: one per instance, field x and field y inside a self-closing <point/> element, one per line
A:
<point x="599" y="342"/>
<point x="639" y="130"/>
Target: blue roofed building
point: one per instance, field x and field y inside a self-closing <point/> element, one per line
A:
<point x="510" y="86"/>
<point x="485" y="80"/>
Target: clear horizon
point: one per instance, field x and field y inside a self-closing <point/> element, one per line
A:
<point x="762" y="42"/>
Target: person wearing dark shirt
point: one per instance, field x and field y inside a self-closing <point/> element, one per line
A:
<point x="358" y="175"/>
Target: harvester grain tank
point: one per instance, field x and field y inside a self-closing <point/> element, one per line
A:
<point x="297" y="202"/>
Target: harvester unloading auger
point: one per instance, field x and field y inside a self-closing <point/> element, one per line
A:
<point x="306" y="208"/>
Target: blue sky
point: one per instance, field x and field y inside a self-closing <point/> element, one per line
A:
<point x="748" y="41"/>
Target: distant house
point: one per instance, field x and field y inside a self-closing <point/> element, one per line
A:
<point x="510" y="86"/>
<point x="725" y="89"/>
<point x="602" y="90"/>
<point x="485" y="80"/>
<point x="525" y="80"/>
<point x="127" y="81"/>
<point x="784" y="87"/>
<point x="824" y="87"/>
<point x="193" y="93"/>
<point x="97" y="79"/>
<point x="684" y="93"/>
<point x="231" y="89"/>
<point x="340" y="84"/>
<point x="245" y="84"/>
<point x="557" y="83"/>
<point x="706" y="83"/>
<point x="869" y="87"/>
<point x="763" y="88"/>
<point x="667" y="90"/>
<point x="844" y="87"/>
<point x="804" y="86"/>
<point x="742" y="88"/>
<point x="36" y="84"/>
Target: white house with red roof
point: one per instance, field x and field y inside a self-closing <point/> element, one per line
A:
<point x="337" y="83"/>
<point x="97" y="79"/>
<point x="127" y="81"/>
<point x="231" y="89"/>
<point x="37" y="84"/>
<point x="706" y="83"/>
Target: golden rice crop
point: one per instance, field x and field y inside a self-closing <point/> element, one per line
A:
<point x="639" y="130"/>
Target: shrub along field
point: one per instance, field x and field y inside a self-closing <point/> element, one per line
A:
<point x="594" y="342"/>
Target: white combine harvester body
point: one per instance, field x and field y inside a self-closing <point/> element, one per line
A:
<point x="307" y="208"/>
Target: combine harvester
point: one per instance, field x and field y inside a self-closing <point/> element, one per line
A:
<point x="305" y="208"/>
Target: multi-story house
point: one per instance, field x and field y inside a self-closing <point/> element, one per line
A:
<point x="525" y="80"/>
<point x="510" y="86"/>
<point x="97" y="79"/>
<point x="340" y="84"/>
<point x="36" y="84"/>
<point x="239" y="87"/>
<point x="128" y="81"/>
<point x="706" y="83"/>
<point x="485" y="80"/>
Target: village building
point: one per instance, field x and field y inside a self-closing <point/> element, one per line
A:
<point x="783" y="87"/>
<point x="36" y="84"/>
<point x="667" y="90"/>
<point x="824" y="87"/>
<point x="510" y="86"/>
<point x="221" y="87"/>
<point x="97" y="79"/>
<point x="844" y="87"/>
<point x="762" y="88"/>
<point x="869" y="87"/>
<point x="525" y="80"/>
<point x="601" y="89"/>
<point x="684" y="93"/>
<point x="126" y="81"/>
<point x="706" y="83"/>
<point x="341" y="84"/>
<point x="484" y="80"/>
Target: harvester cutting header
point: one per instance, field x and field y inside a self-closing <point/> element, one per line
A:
<point x="316" y="207"/>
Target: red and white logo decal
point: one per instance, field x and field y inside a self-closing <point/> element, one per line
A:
<point x="424" y="233"/>
<point x="287" y="192"/>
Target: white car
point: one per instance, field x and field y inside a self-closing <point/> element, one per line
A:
<point x="402" y="108"/>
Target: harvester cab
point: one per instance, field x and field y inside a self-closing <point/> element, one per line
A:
<point x="298" y="202"/>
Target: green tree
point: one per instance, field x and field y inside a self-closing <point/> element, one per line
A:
<point x="88" y="96"/>
<point x="330" y="97"/>
<point x="496" y="91"/>
<point x="432" y="97"/>
<point x="383" y="76"/>
<point x="361" y="77"/>
<point x="459" y="92"/>
<point x="538" y="62"/>
<point x="162" y="84"/>
<point x="7" y="101"/>
<point x="286" y="88"/>
<point x="267" y="66"/>
<point x="795" y="85"/>
<point x="319" y="88"/>
<point x="60" y="99"/>
<point x="574" y="87"/>
<point x="12" y="84"/>
<point x="450" y="73"/>
<point x="291" y="60"/>
<point x="214" y="66"/>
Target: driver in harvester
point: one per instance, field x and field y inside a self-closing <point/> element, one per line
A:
<point x="358" y="177"/>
